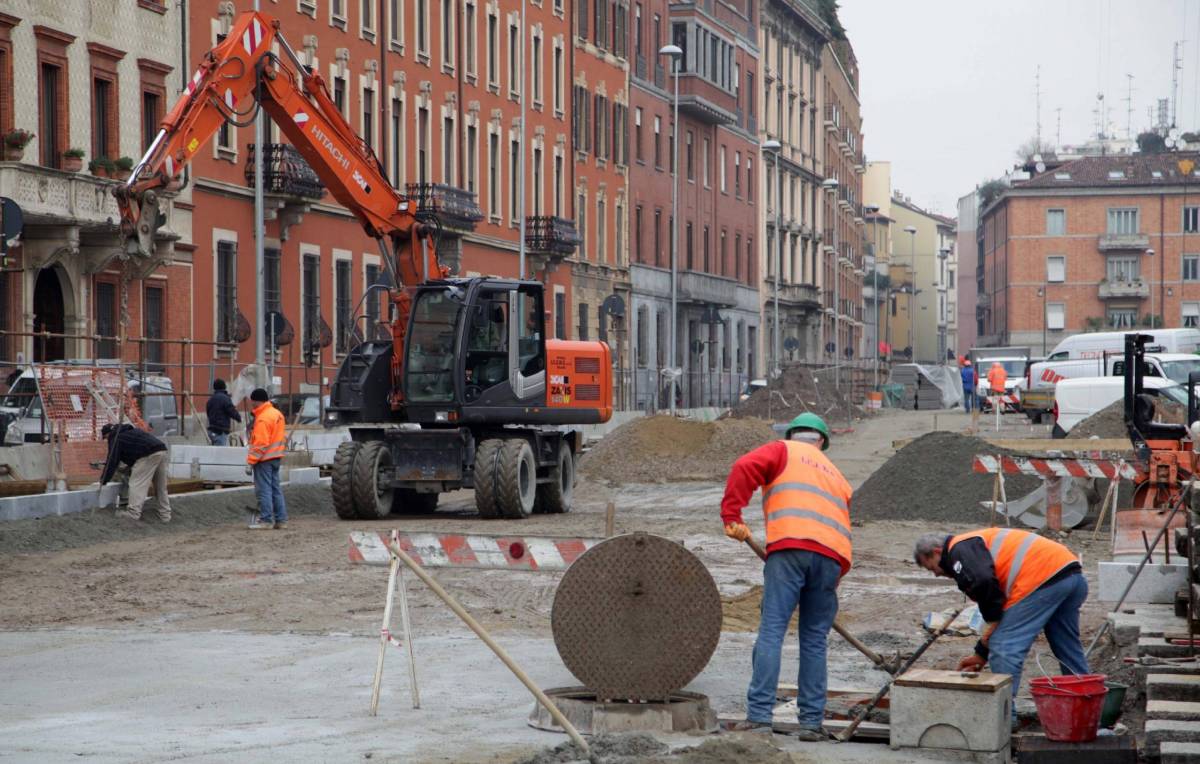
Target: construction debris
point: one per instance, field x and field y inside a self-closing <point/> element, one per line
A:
<point x="1109" y="422"/>
<point x="798" y="390"/>
<point x="932" y="479"/>
<point x="663" y="448"/>
<point x="641" y="748"/>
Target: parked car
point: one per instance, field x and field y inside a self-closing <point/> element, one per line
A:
<point x="1077" y="399"/>
<point x="751" y="387"/>
<point x="1038" y="398"/>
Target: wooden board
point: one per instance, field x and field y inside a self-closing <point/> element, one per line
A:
<point x="1044" y="445"/>
<point x="953" y="680"/>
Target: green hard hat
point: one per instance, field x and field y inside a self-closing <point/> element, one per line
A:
<point x="809" y="421"/>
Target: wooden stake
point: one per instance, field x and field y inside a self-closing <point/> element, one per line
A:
<point x="408" y="638"/>
<point x="1004" y="493"/>
<point x="995" y="499"/>
<point x="393" y="568"/>
<point x="610" y="516"/>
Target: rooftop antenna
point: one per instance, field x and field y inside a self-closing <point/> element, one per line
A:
<point x="1037" y="89"/>
<point x="1176" y="67"/>
<point x="1058" y="127"/>
<point x="1129" y="109"/>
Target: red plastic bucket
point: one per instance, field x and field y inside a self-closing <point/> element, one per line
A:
<point x="1069" y="706"/>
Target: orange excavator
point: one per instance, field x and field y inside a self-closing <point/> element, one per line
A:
<point x="468" y="392"/>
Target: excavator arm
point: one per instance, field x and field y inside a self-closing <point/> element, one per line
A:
<point x="233" y="80"/>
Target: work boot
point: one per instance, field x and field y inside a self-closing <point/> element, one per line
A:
<point x="129" y="514"/>
<point x="164" y="518"/>
<point x="260" y="525"/>
<point x="282" y="525"/>
<point x="748" y="726"/>
<point x="809" y="735"/>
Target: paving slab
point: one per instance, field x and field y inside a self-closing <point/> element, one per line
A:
<point x="1161" y="648"/>
<point x="1179" y="753"/>
<point x="1159" y="731"/>
<point x="1177" y="710"/>
<point x="1157" y="583"/>
<point x="1167" y="686"/>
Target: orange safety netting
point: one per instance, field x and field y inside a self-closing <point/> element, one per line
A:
<point x="81" y="400"/>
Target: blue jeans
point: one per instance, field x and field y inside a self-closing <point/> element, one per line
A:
<point x="968" y="399"/>
<point x="218" y="438"/>
<point x="271" y="508"/>
<point x="1054" y="609"/>
<point x="791" y="578"/>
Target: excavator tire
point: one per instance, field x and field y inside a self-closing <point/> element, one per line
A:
<point x="409" y="502"/>
<point x="516" y="482"/>
<point x="487" y="465"/>
<point x="554" y="497"/>
<point x="372" y="499"/>
<point x="342" y="485"/>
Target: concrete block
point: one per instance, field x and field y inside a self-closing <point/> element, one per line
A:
<point x="1157" y="583"/>
<point x="1106" y="749"/>
<point x="303" y="475"/>
<point x="943" y="718"/>
<point x="1143" y="621"/>
<point x="1159" y="731"/>
<point x="1175" y="710"/>
<point x="1161" y="648"/>
<point x="1141" y="673"/>
<point x="1181" y="687"/>
<point x="1179" y="753"/>
<point x="58" y="503"/>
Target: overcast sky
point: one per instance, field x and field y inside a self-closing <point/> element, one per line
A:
<point x="948" y="88"/>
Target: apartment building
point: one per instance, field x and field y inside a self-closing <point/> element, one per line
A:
<point x="716" y="177"/>
<point x="843" y="234"/>
<point x="970" y="264"/>
<point x="920" y="267"/>
<point x="792" y="37"/>
<point x="947" y="297"/>
<point x="1101" y="242"/>
<point x="91" y="81"/>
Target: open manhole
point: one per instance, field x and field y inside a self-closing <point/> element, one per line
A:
<point x="680" y="712"/>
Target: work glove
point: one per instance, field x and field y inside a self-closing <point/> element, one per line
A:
<point x="737" y="531"/>
<point x="249" y="470"/>
<point x="972" y="662"/>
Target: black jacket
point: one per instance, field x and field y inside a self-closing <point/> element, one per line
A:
<point x="970" y="564"/>
<point x="221" y="412"/>
<point x="128" y="444"/>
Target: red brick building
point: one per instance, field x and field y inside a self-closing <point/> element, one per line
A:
<point x="1095" y="243"/>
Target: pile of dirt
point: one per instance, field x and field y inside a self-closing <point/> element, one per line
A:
<point x="641" y="748"/>
<point x="664" y="448"/>
<point x="796" y="391"/>
<point x="1109" y="422"/>
<point x="932" y="479"/>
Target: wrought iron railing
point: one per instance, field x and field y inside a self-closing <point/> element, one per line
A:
<point x="549" y="234"/>
<point x="454" y="207"/>
<point x="285" y="171"/>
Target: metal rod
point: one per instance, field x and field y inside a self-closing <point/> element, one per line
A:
<point x="259" y="233"/>
<point x="674" y="362"/>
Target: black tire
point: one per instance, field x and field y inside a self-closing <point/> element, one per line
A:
<point x="409" y="502"/>
<point x="554" y="497"/>
<point x="516" y="482"/>
<point x="487" y="467"/>
<point x="373" y="497"/>
<point x="342" y="484"/>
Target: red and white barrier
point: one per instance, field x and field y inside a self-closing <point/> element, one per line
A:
<point x="1052" y="468"/>
<point x="454" y="550"/>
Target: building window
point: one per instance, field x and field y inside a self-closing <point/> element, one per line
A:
<point x="367" y="18"/>
<point x="337" y="13"/>
<point x="558" y="78"/>
<point x="558" y="185"/>
<point x="368" y="118"/>
<point x="581" y="224"/>
<point x="448" y="151"/>
<point x="310" y="296"/>
<point x="687" y="155"/>
<point x="1191" y="219"/>
<point x="271" y="291"/>
<point x="749" y="181"/>
<point x="423" y="28"/>
<point x="1056" y="269"/>
<point x="493" y="51"/>
<point x="536" y="62"/>
<point x="371" y="301"/>
<point x="106" y="319"/>
<point x="469" y="35"/>
<point x="51" y="120"/>
<point x="723" y="253"/>
<point x="1056" y="316"/>
<point x="151" y="116"/>
<point x="1191" y="267"/>
<point x="152" y="323"/>
<point x="1056" y="222"/>
<point x="704" y="166"/>
<point x="1122" y="318"/>
<point x="560" y="316"/>
<point x="581" y="18"/>
<point x="226" y="290"/>
<point x="341" y="289"/>
<point x="494" y="174"/>
<point x="637" y="234"/>
<point x="637" y="128"/>
<point x="582" y="308"/>
<point x="620" y="134"/>
<point x="737" y="256"/>
<point x="397" y="148"/>
<point x="658" y="142"/>
<point x="104" y="118"/>
<point x="448" y="34"/>
<point x="1123" y="221"/>
<point x="514" y="61"/>
<point x="1191" y="315"/>
<point x="339" y="93"/>
<point x="737" y="174"/>
<point x="514" y="170"/>
<point x="396" y="21"/>
<point x="721" y="170"/>
<point x="538" y="190"/>
<point x="619" y="226"/>
<point x="601" y="231"/>
<point x="661" y="338"/>
<point x="472" y="157"/>
<point x="423" y="148"/>
<point x="688" y="248"/>
<point x="707" y="264"/>
<point x="643" y="336"/>
<point x="658" y="250"/>
<point x="1124" y="269"/>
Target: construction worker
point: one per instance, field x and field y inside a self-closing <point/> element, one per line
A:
<point x="997" y="377"/>
<point x="221" y="414"/>
<point x="268" y="440"/>
<point x="806" y="504"/>
<point x="146" y="457"/>
<point x="968" y="382"/>
<point x="1024" y="584"/>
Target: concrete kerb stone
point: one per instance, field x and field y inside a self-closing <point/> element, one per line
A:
<point x="1157" y="583"/>
<point x="1161" y="648"/>
<point x="1159" y="731"/>
<point x="1179" y="753"/>
<point x="1144" y="621"/>
<point x="1168" y="686"/>
<point x="304" y="475"/>
<point x="1172" y="710"/>
<point x="57" y="503"/>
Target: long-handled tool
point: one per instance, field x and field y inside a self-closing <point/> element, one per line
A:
<point x="890" y="665"/>
<point x="861" y="714"/>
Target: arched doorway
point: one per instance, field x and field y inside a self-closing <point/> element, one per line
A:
<point x="49" y="316"/>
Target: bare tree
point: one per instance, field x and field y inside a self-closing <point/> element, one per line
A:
<point x="1032" y="146"/>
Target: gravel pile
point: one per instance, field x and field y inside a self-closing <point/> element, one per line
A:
<point x="661" y="448"/>
<point x="932" y="479"/>
<point x="1109" y="422"/>
<point x="796" y="391"/>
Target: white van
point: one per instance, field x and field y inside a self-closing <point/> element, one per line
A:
<point x="1173" y="366"/>
<point x="1077" y="399"/>
<point x="1096" y="344"/>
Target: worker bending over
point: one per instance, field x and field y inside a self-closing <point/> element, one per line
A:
<point x="806" y="503"/>
<point x="146" y="456"/>
<point x="1024" y="584"/>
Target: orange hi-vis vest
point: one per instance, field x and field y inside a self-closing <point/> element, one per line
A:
<point x="268" y="440"/>
<point x="1024" y="561"/>
<point x="997" y="377"/>
<point x="809" y="500"/>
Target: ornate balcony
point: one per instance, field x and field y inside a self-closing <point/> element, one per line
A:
<point x="703" y="100"/>
<point x="455" y="209"/>
<point x="1113" y="290"/>
<point x="1123" y="242"/>
<point x="794" y="295"/>
<point x="285" y="172"/>
<point x="695" y="286"/>
<point x="550" y="235"/>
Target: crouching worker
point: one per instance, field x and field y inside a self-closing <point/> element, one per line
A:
<point x="1024" y="584"/>
<point x="146" y="456"/>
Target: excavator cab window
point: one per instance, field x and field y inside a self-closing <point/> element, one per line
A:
<point x="429" y="367"/>
<point x="487" y="341"/>
<point x="528" y="353"/>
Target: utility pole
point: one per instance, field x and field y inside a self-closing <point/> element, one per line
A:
<point x="521" y="163"/>
<point x="1129" y="108"/>
<point x="260" y="302"/>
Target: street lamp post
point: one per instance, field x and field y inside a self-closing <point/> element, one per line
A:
<point x="873" y="210"/>
<point x="774" y="148"/>
<point x="676" y="53"/>
<point x="1045" y="318"/>
<point x="912" y="263"/>
<point x="831" y="185"/>
<point x="1150" y="253"/>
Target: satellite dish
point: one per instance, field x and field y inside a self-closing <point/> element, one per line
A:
<point x="1041" y="166"/>
<point x="1037" y="158"/>
<point x="1170" y="142"/>
<point x="1173" y="133"/>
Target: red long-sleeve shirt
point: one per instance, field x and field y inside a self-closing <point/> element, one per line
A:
<point x="753" y="471"/>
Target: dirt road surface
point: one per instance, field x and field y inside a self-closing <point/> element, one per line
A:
<point x="204" y="640"/>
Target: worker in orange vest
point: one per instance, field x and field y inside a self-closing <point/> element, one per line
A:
<point x="1024" y="584"/>
<point x="997" y="378"/>
<point x="268" y="441"/>
<point x="806" y="505"/>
